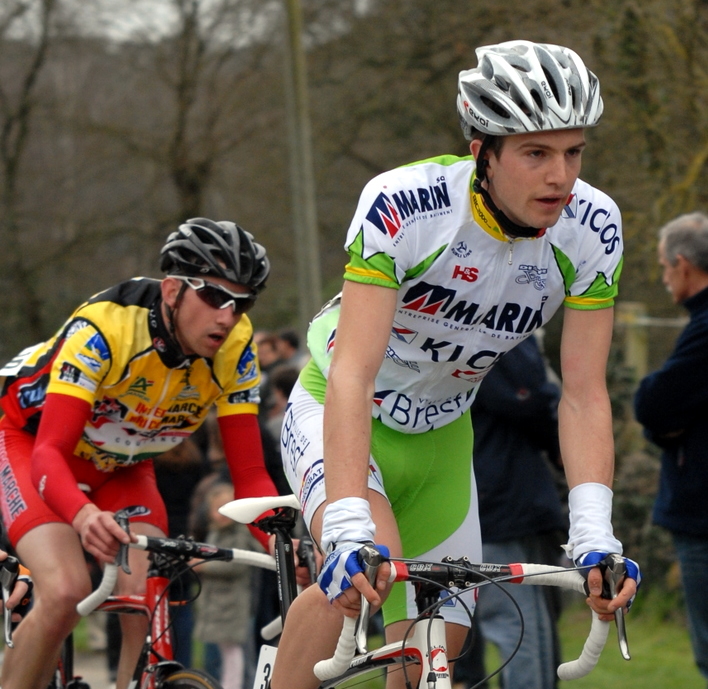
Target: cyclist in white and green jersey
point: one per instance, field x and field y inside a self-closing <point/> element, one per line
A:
<point x="453" y="261"/>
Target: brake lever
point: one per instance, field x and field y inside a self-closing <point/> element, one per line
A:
<point x="614" y="573"/>
<point x="122" y="558"/>
<point x="306" y="554"/>
<point x="370" y="560"/>
<point x="9" y="571"/>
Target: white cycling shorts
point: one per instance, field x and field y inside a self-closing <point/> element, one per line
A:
<point x="426" y="477"/>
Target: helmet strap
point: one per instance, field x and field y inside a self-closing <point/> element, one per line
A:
<point x="508" y="226"/>
<point x="171" y="326"/>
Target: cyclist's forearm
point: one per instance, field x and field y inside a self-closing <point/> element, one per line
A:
<point x="63" y="421"/>
<point x="586" y="441"/>
<point x="347" y="437"/>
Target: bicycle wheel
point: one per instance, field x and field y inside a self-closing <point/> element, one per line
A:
<point x="190" y="679"/>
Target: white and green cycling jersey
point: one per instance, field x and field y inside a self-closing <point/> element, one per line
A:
<point x="466" y="292"/>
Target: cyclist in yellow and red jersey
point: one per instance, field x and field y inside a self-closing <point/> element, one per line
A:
<point x="129" y="375"/>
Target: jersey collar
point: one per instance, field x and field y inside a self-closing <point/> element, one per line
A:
<point x="484" y="218"/>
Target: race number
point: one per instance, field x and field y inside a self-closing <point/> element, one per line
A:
<point x="264" y="671"/>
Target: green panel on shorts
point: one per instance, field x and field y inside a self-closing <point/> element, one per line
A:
<point x="427" y="480"/>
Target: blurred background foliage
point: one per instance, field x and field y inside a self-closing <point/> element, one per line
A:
<point x="118" y="122"/>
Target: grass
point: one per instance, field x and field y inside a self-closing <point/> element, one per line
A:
<point x="660" y="649"/>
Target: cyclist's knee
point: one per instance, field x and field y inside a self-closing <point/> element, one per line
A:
<point x="63" y="598"/>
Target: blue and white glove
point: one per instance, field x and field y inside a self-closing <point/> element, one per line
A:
<point x="341" y="565"/>
<point x="346" y="526"/>
<point x="590" y="538"/>
<point x="596" y="558"/>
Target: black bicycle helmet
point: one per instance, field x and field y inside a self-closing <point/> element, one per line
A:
<point x="203" y="247"/>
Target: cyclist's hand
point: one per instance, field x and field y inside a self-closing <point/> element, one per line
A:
<point x="342" y="578"/>
<point x="599" y="599"/>
<point x="100" y="534"/>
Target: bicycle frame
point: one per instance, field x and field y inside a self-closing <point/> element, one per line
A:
<point x="156" y="662"/>
<point x="157" y="656"/>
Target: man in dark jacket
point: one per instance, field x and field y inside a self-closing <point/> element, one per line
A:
<point x="672" y="405"/>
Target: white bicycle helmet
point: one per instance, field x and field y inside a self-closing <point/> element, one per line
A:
<point x="520" y="86"/>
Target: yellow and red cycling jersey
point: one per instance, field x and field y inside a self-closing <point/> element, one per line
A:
<point x="115" y="353"/>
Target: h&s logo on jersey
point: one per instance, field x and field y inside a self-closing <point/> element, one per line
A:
<point x="426" y="298"/>
<point x="136" y="511"/>
<point x="383" y="216"/>
<point x="466" y="273"/>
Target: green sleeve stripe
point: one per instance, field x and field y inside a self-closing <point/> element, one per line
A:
<point x="379" y="268"/>
<point x="581" y="304"/>
<point x="373" y="277"/>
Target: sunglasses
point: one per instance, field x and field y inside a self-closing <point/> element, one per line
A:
<point x="219" y="297"/>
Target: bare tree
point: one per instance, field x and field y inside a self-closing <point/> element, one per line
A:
<point x="17" y="104"/>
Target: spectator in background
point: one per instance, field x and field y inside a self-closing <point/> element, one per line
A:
<point x="282" y="382"/>
<point x="672" y="405"/>
<point x="268" y="357"/>
<point x="515" y="434"/>
<point x="224" y="606"/>
<point x="268" y="354"/>
<point x="289" y="349"/>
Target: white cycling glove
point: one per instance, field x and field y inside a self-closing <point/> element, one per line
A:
<point x="346" y="526"/>
<point x="348" y="519"/>
<point x="590" y="538"/>
<point x="590" y="521"/>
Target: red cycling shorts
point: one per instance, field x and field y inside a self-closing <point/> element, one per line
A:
<point x="23" y="509"/>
